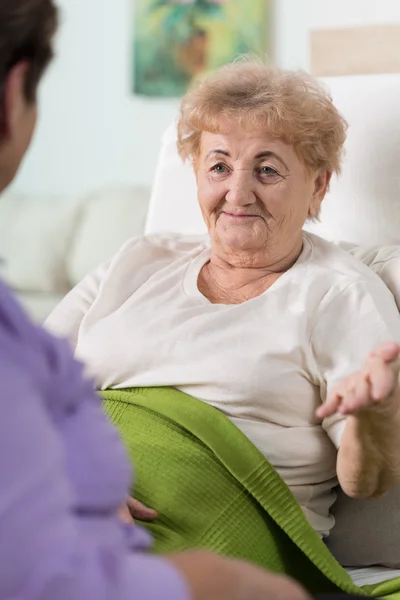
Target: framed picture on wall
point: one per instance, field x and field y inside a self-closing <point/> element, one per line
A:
<point x="179" y="41"/>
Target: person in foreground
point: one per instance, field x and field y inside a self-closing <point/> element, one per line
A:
<point x="282" y="331"/>
<point x="63" y="470"/>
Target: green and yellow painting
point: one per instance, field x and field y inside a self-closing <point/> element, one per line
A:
<point x="179" y="41"/>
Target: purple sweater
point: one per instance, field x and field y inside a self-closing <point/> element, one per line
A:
<point x="63" y="474"/>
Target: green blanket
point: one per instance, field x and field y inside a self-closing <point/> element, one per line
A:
<point x="213" y="489"/>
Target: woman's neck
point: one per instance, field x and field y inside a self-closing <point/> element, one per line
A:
<point x="235" y="277"/>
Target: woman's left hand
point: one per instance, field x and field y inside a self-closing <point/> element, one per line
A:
<point x="133" y="509"/>
<point x="372" y="388"/>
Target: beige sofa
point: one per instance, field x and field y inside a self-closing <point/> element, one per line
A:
<point x="47" y="245"/>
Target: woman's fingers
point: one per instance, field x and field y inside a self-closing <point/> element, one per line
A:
<point x="362" y="390"/>
<point x="124" y="515"/>
<point x="382" y="378"/>
<point x="139" y="511"/>
<point x="388" y="352"/>
<point x="331" y="406"/>
<point x="371" y="386"/>
<point x="352" y="400"/>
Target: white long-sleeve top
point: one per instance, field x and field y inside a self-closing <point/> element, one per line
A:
<point x="266" y="363"/>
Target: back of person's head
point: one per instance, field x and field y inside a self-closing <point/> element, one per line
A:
<point x="27" y="28"/>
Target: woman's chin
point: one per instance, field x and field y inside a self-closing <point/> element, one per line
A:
<point x="240" y="241"/>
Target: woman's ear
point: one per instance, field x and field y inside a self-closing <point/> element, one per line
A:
<point x="14" y="101"/>
<point x="321" y="186"/>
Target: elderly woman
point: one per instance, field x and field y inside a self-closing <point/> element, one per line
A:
<point x="278" y="329"/>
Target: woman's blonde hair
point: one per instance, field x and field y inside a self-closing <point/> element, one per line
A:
<point x="289" y="105"/>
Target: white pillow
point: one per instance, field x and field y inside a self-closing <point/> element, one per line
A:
<point x="363" y="205"/>
<point x="35" y="236"/>
<point x="173" y="204"/>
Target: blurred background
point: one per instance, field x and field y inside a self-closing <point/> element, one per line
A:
<point x="94" y="129"/>
<point x="113" y="89"/>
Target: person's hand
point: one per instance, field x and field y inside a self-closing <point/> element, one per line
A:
<point x="212" y="577"/>
<point x="135" y="510"/>
<point x="374" y="387"/>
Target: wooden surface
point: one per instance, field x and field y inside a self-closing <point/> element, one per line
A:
<point x="355" y="51"/>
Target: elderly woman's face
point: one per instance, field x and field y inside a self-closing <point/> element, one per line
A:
<point x="253" y="190"/>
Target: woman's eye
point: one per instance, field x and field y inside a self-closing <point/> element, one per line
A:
<point x="268" y="171"/>
<point x="220" y="168"/>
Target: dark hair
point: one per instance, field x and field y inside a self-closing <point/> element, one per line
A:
<point x="27" y="28"/>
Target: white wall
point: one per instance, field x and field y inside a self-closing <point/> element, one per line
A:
<point x="290" y="33"/>
<point x="92" y="131"/>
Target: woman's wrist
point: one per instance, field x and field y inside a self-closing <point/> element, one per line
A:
<point x="369" y="455"/>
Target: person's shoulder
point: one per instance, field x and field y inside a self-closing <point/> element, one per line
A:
<point x="349" y="287"/>
<point x="341" y="267"/>
<point x="31" y="354"/>
<point x="14" y="322"/>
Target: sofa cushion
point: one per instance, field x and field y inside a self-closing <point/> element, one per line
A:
<point x="109" y="218"/>
<point x="39" y="306"/>
<point x="366" y="532"/>
<point x="35" y="236"/>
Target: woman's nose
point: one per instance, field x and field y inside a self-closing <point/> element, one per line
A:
<point x="240" y="189"/>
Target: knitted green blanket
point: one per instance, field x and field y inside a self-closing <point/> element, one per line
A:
<point x="213" y="489"/>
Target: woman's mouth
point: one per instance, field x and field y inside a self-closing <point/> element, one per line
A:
<point x="240" y="217"/>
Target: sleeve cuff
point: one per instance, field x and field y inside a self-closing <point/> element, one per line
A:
<point x="139" y="540"/>
<point x="334" y="427"/>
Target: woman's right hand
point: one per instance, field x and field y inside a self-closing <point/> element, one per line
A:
<point x="212" y="577"/>
<point x="134" y="510"/>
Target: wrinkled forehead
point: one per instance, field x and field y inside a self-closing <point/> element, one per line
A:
<point x="247" y="143"/>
